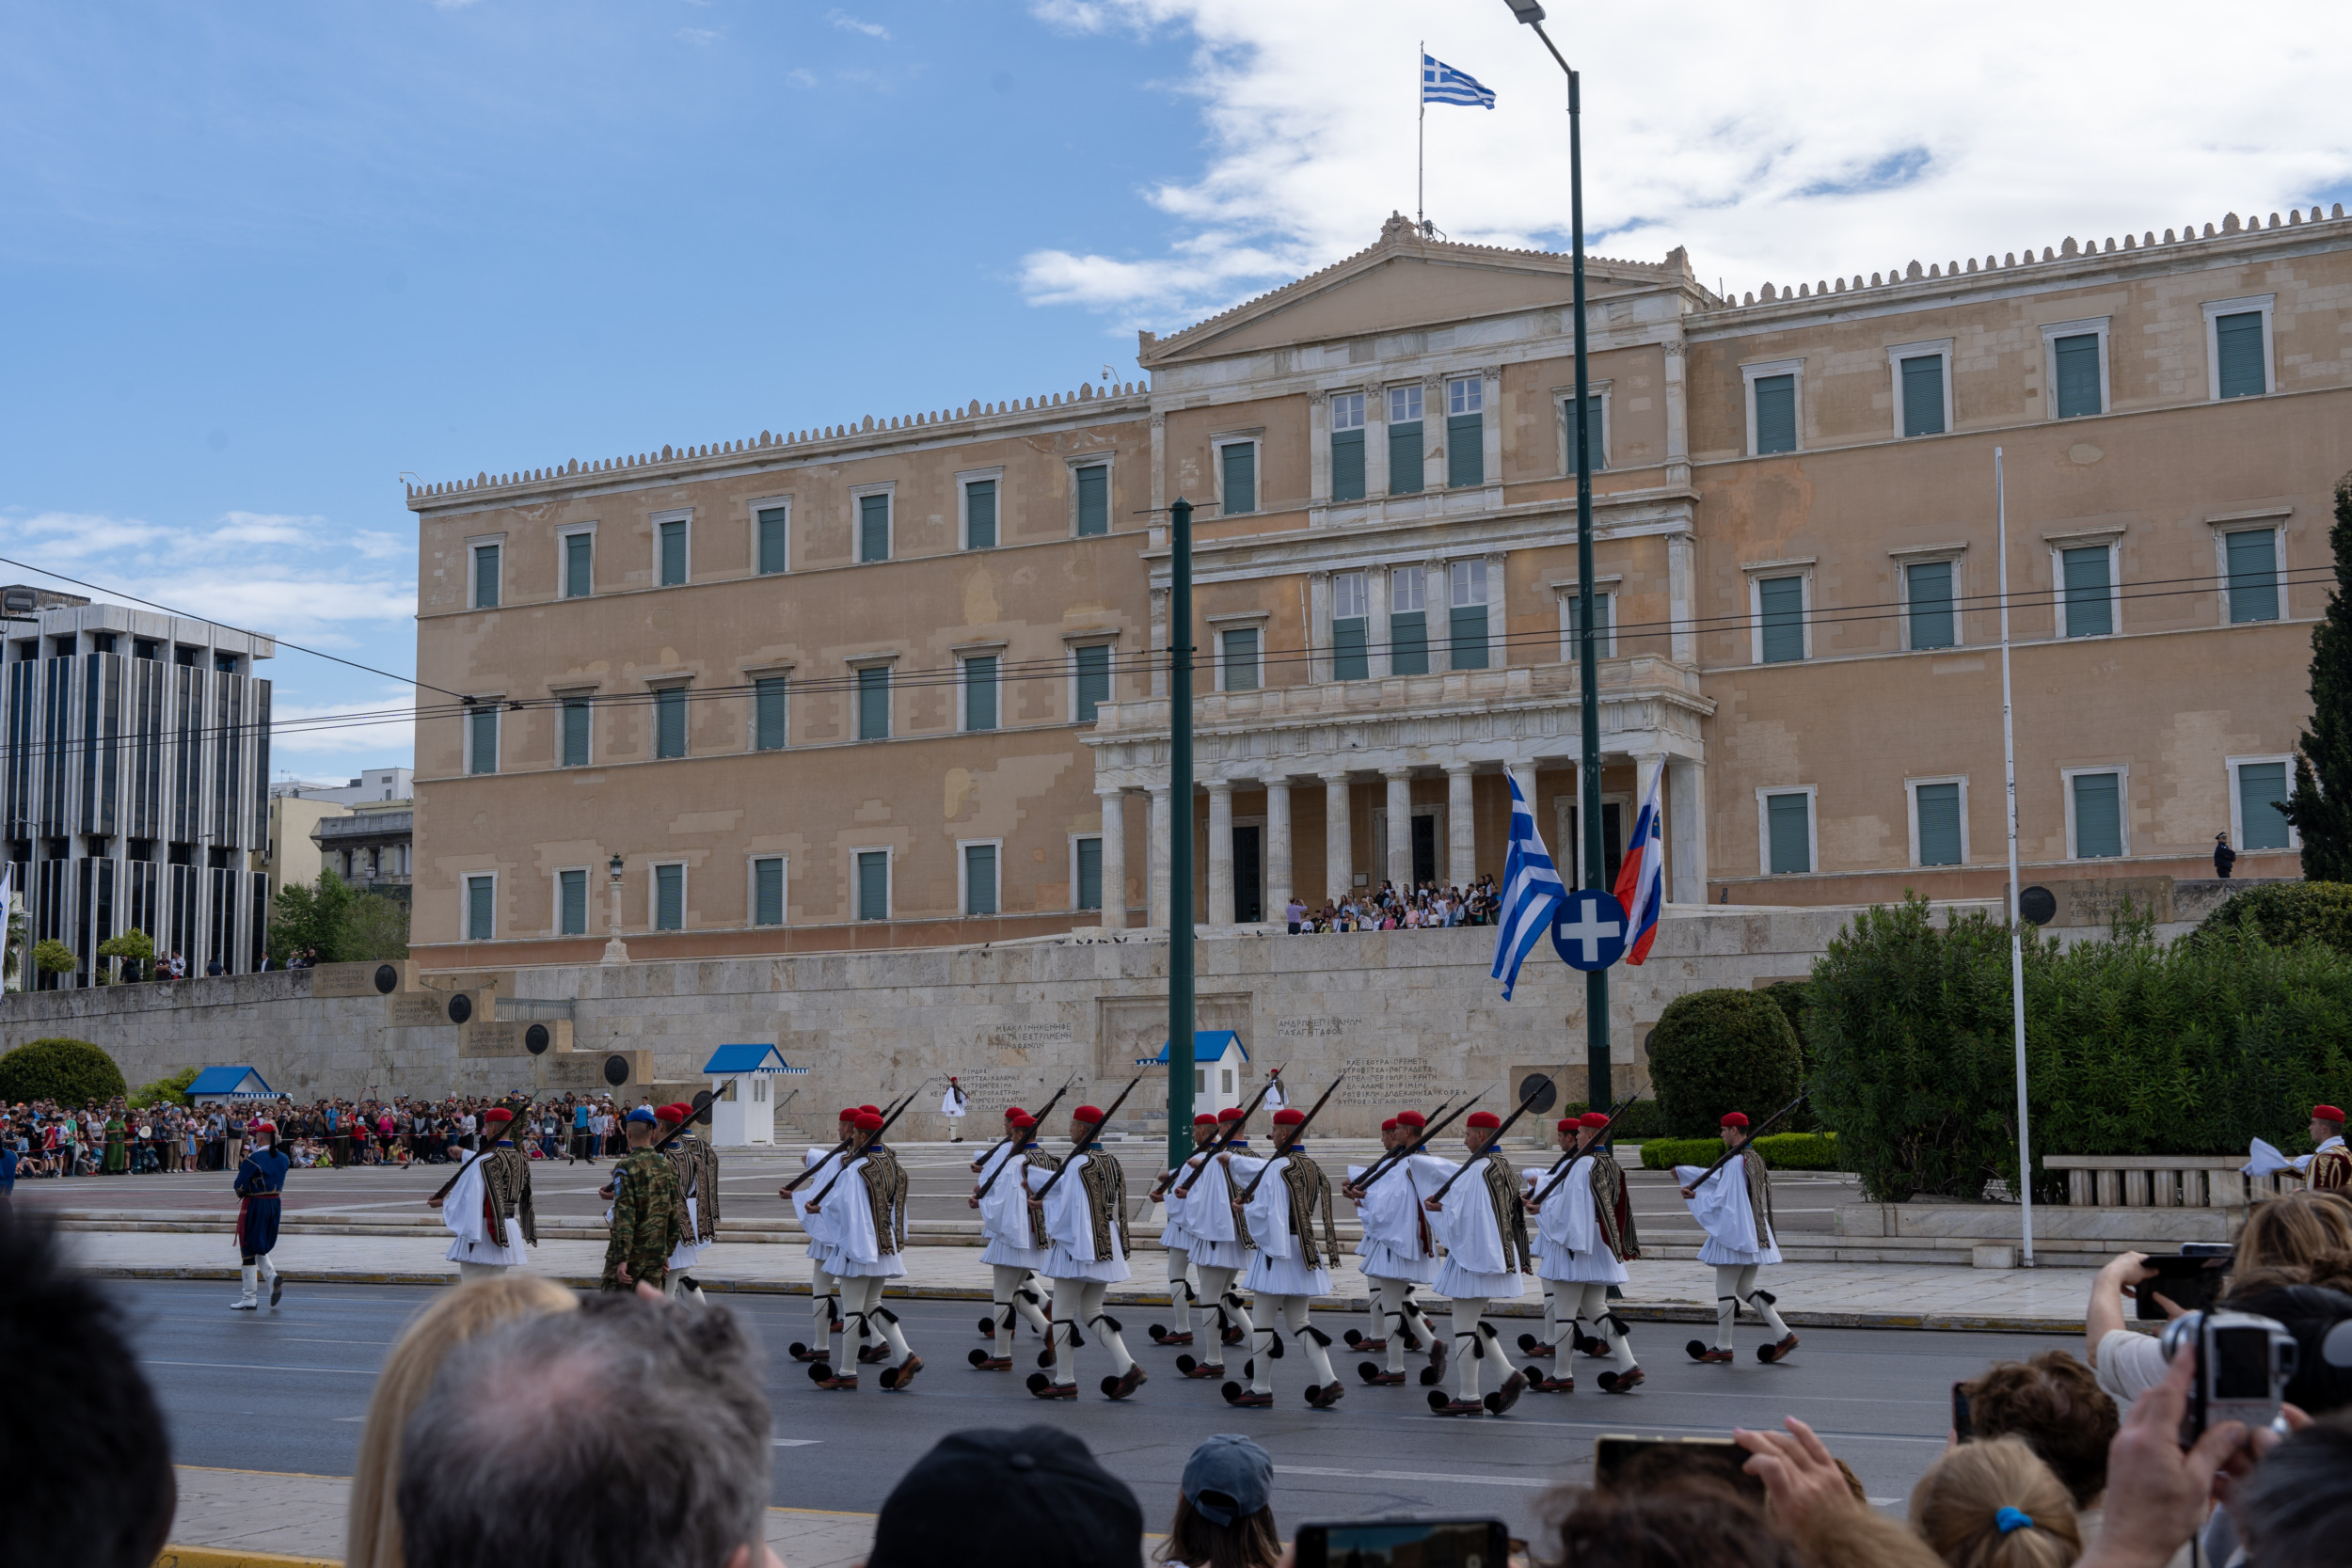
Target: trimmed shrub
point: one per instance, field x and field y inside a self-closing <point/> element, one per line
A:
<point x="71" y="1072"/>
<point x="1781" y="1151"/>
<point x="1720" y="1051"/>
<point x="2288" y="913"/>
<point x="165" y="1091"/>
<point x="1640" y="1120"/>
<point x="1793" y="999"/>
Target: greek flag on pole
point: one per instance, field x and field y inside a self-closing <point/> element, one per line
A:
<point x="1532" y="894"/>
<point x="1441" y="84"/>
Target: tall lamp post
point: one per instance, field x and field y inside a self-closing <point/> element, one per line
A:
<point x="1597" y="1086"/>
<point x="1180" y="971"/>
<point x="615" y="951"/>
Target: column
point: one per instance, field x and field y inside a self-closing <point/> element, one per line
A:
<point x="1339" y="844"/>
<point x="1156" y="908"/>
<point x="1277" y="847"/>
<point x="1686" y="830"/>
<point x="1400" y="862"/>
<point x="1220" y="853"/>
<point x="1461" y="827"/>
<point x="1114" y="858"/>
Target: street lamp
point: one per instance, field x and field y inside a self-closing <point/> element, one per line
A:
<point x="615" y="951"/>
<point x="1596" y="1091"/>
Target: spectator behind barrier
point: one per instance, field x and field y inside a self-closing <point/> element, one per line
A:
<point x="2295" y="1511"/>
<point x="371" y="1538"/>
<point x="1031" y="1499"/>
<point x="1997" y="1505"/>
<point x="2054" y="1404"/>
<point x="630" y="1433"/>
<point x="86" y="1468"/>
<point x="1224" y="1508"/>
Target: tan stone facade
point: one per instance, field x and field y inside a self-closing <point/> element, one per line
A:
<point x="903" y="684"/>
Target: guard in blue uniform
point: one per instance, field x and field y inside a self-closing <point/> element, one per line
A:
<point x="260" y="1180"/>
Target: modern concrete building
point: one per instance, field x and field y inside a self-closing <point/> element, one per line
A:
<point x="293" y="855"/>
<point x="903" y="683"/>
<point x="373" y="783"/>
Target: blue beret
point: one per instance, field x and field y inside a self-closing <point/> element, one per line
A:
<point x="642" y="1114"/>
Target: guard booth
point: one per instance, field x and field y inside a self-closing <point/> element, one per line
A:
<point x="228" y="1085"/>
<point x="743" y="1083"/>
<point x="1218" y="1065"/>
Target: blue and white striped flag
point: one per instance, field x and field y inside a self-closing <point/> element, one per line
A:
<point x="1441" y="84"/>
<point x="1532" y="894"/>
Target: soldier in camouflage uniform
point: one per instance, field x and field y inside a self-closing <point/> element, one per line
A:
<point x="648" y="1211"/>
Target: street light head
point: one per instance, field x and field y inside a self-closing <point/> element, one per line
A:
<point x="616" y="867"/>
<point x="1528" y="11"/>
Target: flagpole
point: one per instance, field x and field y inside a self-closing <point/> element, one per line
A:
<point x="2016" y="928"/>
<point x="1421" y="136"/>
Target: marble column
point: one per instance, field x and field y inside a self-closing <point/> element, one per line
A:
<point x="1114" y="858"/>
<point x="1220" y="853"/>
<point x="1686" y="830"/>
<point x="1339" y="843"/>
<point x="1156" y="909"/>
<point x="1461" y="827"/>
<point x="1278" y="847"/>
<point x="1400" y="862"/>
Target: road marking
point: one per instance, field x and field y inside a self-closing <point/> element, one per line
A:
<point x="1704" y="1431"/>
<point x="796" y="1443"/>
<point x="250" y="1367"/>
<point x="1417" y="1475"/>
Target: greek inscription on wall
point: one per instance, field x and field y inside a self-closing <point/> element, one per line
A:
<point x="1031" y="1037"/>
<point x="1314" y="1028"/>
<point x="1388" y="1081"/>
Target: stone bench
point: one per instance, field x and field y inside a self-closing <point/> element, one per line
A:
<point x="2165" y="1180"/>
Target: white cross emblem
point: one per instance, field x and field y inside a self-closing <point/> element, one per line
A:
<point x="1591" y="931"/>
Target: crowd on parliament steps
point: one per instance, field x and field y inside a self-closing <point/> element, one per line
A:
<point x="515" y="1423"/>
<point x="1394" y="909"/>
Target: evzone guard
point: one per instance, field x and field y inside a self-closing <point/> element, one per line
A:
<point x="1220" y="1243"/>
<point x="1017" y="1249"/>
<point x="488" y="1205"/>
<point x="1177" y="1238"/>
<point x="1289" y="1271"/>
<point x="1584" y="1221"/>
<point x="1733" y="1204"/>
<point x="2330" y="1168"/>
<point x="1484" y="1234"/>
<point x="697" y="1166"/>
<point x="1398" y="1251"/>
<point x="864" y="1218"/>
<point x="260" y="1186"/>
<point x="1084" y="1209"/>
<point x="819" y="1166"/>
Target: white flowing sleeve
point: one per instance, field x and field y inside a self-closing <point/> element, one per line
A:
<point x="850" y="1218"/>
<point x="1580" y="1227"/>
<point x="1068" y="1217"/>
<point x="462" y="1210"/>
<point x="1267" y="1212"/>
<point x="1467" y="1227"/>
<point x="1003" y="1212"/>
<point x="1720" y="1206"/>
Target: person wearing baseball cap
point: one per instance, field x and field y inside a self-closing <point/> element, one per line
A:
<point x="1225" y="1507"/>
<point x="261" y="1181"/>
<point x="1485" y="1233"/>
<point x="1734" y="1208"/>
<point x="1177" y="1239"/>
<point x="488" y="1207"/>
<point x="1017" y="1247"/>
<point x="1085" y="1220"/>
<point x="1396" y="1251"/>
<point x="1030" y="1498"/>
<point x="2330" y="1170"/>
<point x="1587" y="1228"/>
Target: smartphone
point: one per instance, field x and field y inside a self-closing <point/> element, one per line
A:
<point x="2191" y="1281"/>
<point x="1626" y="1462"/>
<point x="1963" y="1428"/>
<point x="1404" y="1543"/>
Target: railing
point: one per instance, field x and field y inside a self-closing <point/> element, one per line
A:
<point x="2165" y="1180"/>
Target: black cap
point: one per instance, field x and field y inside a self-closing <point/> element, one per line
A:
<point x="1031" y="1499"/>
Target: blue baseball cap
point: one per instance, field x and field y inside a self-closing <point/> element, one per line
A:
<point x="1227" y="1478"/>
<point x="642" y="1114"/>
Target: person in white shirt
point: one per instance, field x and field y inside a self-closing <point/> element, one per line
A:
<point x="865" y="1216"/>
<point x="1086" y="1218"/>
<point x="1221" y="1242"/>
<point x="1290" y="1271"/>
<point x="1734" y="1208"/>
<point x="1017" y="1247"/>
<point x="1178" y="1239"/>
<point x="824" y="1286"/>
<point x="952" y="1105"/>
<point x="1586" y="1227"/>
<point x="1485" y="1235"/>
<point x="1398" y="1252"/>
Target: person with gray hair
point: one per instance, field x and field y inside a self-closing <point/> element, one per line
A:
<point x="631" y="1434"/>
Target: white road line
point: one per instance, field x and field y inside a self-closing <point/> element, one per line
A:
<point x="1417" y="1475"/>
<point x="250" y="1367"/>
<point x="796" y="1442"/>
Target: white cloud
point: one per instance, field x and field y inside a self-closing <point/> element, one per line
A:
<point x="801" y="78"/>
<point x="1791" y="144"/>
<point x="848" y="23"/>
<point x="315" y="740"/>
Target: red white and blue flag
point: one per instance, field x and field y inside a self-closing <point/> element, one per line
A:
<point x="1641" y="877"/>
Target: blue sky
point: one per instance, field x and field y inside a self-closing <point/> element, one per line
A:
<point x="263" y="257"/>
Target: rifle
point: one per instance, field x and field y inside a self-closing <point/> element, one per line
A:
<point x="1297" y="1132"/>
<point x="1064" y="1171"/>
<point x="1537" y="1200"/>
<point x="1227" y="1131"/>
<point x="1042" y="1114"/>
<point x="895" y="1112"/>
<point x="1741" y="1147"/>
<point x="478" y="1155"/>
<point x="787" y="1189"/>
<point x="704" y="1101"/>
<point x="1397" y="1157"/>
<point x="1525" y="1105"/>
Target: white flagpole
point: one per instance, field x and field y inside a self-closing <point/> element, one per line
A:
<point x="2016" y="928"/>
<point x="1420" y="135"/>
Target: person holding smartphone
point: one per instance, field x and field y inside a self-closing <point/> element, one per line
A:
<point x="1734" y="1206"/>
<point x="1484" y="1230"/>
<point x="1587" y="1229"/>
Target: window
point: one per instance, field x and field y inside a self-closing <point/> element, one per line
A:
<point x="2094" y="814"/>
<point x="979" y="692"/>
<point x="1596" y="423"/>
<point x="1086" y="864"/>
<point x="2250" y="559"/>
<point x="576" y="732"/>
<point x="1467" y="628"/>
<point x="1772" y="413"/>
<point x="1465" y="431"/>
<point x="1238" y="659"/>
<point x="571" y="903"/>
<point x="1604" y="624"/>
<point x="979" y="514"/>
<point x="1350" y="616"/>
<point x="1409" y="622"/>
<point x="774" y="546"/>
<point x="2087" y="581"/>
<point x="481" y="904"/>
<point x="2259" y="786"/>
<point x="1939" y="836"/>
<point x="1095" y="500"/>
<point x="2237" y="347"/>
<point x="1928" y="620"/>
<point x="1405" y="443"/>
<point x="1092" y="665"/>
<point x="979" y="878"/>
<point x="669" y="898"/>
<point x="873" y="703"/>
<point x="673" y="548"/>
<point x="873" y="884"/>
<point x="1347" y="447"/>
<point x="579" y="563"/>
<point x="481" y="738"/>
<point x="486" y="577"/>
<point x="1921" y="388"/>
<point x="873" y="527"/>
<point x="1237" y="477"/>
<point x="669" y="722"/>
<point x="2074" y="365"/>
<point x="771" y="714"/>
<point x="1787" y="823"/>
<point x="1779" y="620"/>
<point x="768" y="891"/>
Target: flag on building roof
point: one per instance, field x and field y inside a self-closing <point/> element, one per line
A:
<point x="1441" y="84"/>
<point x="1532" y="894"/>
<point x="1642" y="879"/>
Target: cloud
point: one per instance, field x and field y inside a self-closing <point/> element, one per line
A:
<point x="699" y="35"/>
<point x="801" y="78"/>
<point x="848" y="23"/>
<point x="316" y="740"/>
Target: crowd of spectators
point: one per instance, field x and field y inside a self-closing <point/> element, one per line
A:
<point x="1395" y="908"/>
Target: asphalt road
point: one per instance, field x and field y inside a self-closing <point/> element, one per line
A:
<point x="287" y="1391"/>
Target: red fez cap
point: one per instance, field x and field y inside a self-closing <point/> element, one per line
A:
<point x="1090" y="1113"/>
<point x="1592" y="1118"/>
<point x="1204" y="1119"/>
<point x="1568" y="1124"/>
<point x="1389" y="1126"/>
<point x="870" y="1121"/>
<point x="2327" y="1112"/>
<point x="1485" y="1120"/>
<point x="850" y="1113"/>
<point x="1736" y="1118"/>
<point x="269" y="1127"/>
<point x="666" y="1112"/>
<point x="871" y="1110"/>
<point x="498" y="1113"/>
<point x="1012" y="1111"/>
<point x="1021" y="1119"/>
<point x="1411" y="1118"/>
<point x="1230" y="1112"/>
<point x="1288" y="1117"/>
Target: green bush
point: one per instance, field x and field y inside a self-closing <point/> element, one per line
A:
<point x="1793" y="998"/>
<point x="1781" y="1151"/>
<point x="71" y="1072"/>
<point x="1639" y="1121"/>
<point x="2288" y="913"/>
<point x="1719" y="1051"/>
<point x="166" y="1091"/>
<point x="51" y="957"/>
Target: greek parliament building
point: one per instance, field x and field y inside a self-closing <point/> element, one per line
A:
<point x="902" y="682"/>
<point x="134" y="780"/>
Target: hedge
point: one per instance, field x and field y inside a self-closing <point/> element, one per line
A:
<point x="2286" y="913"/>
<point x="1781" y="1151"/>
<point x="1718" y="1051"/>
<point x="1640" y="1120"/>
<point x="69" y="1071"/>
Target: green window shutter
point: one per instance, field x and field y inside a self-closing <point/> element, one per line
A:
<point x="1923" y="395"/>
<point x="768" y="891"/>
<point x="1465" y="450"/>
<point x="979" y="693"/>
<point x="485" y="720"/>
<point x="1600" y="622"/>
<point x="1238" y="464"/>
<point x="1408" y="643"/>
<point x="573" y="889"/>
<point x="576" y="722"/>
<point x="873" y="884"/>
<point x="1789" y="818"/>
<point x="979" y="514"/>
<point x="873" y="528"/>
<point x="2261" y="788"/>
<point x="768" y="713"/>
<point x="669" y="898"/>
<point x="2089" y="610"/>
<point x="2237" y="343"/>
<point x="1094" y="501"/>
<point x="2253" y="556"/>
<point x="673" y="553"/>
<point x="1404" y="454"/>
<point x="979" y="878"/>
<point x="486" y="577"/>
<point x="775" y="540"/>
<point x="1939" y="823"/>
<point x="1782" y="603"/>
<point x="1350" y="659"/>
<point x="873" y="704"/>
<point x="1775" y="414"/>
<point x="579" y="551"/>
<point x="1241" y="659"/>
<point x="1931" y="588"/>
<point x="1089" y="874"/>
<point x="479" y="892"/>
<point x="2098" y="816"/>
<point x="1596" y="436"/>
<point x="1347" y="465"/>
<point x="2077" y="375"/>
<point x="1094" y="679"/>
<point x="1467" y="647"/>
<point x="669" y="710"/>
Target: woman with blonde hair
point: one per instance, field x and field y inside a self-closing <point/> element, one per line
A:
<point x="372" y="1539"/>
<point x="1995" y="1505"/>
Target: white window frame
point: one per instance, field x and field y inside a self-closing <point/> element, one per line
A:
<point x="1801" y="566"/>
<point x="890" y="881"/>
<point x="1255" y="440"/>
<point x="2217" y="308"/>
<point x="1607" y="587"/>
<point x="1812" y="829"/>
<point x="1249" y="620"/>
<point x="751" y="890"/>
<point x="2237" y="802"/>
<point x="751" y="522"/>
<point x="888" y="490"/>
<point x="1896" y="354"/>
<point x="964" y="653"/>
<point x="2122" y="773"/>
<point x="965" y="479"/>
<point x="653" y="892"/>
<point x="1749" y="375"/>
<point x="496" y="704"/>
<point x="1073" y="642"/>
<point x="674" y="514"/>
<point x="964" y="899"/>
<point x="1926" y="555"/>
<point x="1076" y="839"/>
<point x="474" y="546"/>
<point x="2051" y="333"/>
<point x="588" y="901"/>
<point x="2059" y="543"/>
<point x="1073" y="461"/>
<point x="1388" y="396"/>
<point x="1911" y="797"/>
<point x="2275" y="524"/>
<point x="1565" y="398"/>
<point x="465" y="903"/>
<point x="563" y="536"/>
<point x="1363" y="417"/>
<point x="1475" y="381"/>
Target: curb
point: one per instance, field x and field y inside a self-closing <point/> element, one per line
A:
<point x="233" y="1557"/>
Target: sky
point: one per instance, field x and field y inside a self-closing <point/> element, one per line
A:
<point x="261" y="258"/>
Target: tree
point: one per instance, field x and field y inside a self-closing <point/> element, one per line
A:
<point x="134" y="945"/>
<point x="1718" y="1051"/>
<point x="2320" y="806"/>
<point x="51" y="957"/>
<point x="165" y="1091"/>
<point x="375" y="929"/>
<point x="71" y="1072"/>
<point x="311" y="919"/>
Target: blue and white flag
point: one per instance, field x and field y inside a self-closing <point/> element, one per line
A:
<point x="1532" y="894"/>
<point x="1441" y="84"/>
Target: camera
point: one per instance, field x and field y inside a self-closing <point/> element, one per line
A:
<point x="2191" y="1281"/>
<point x="2243" y="1366"/>
<point x="1404" y="1543"/>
